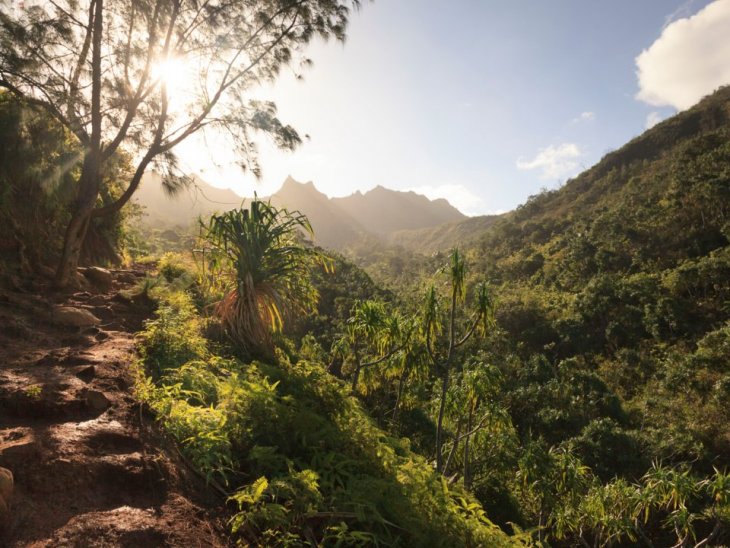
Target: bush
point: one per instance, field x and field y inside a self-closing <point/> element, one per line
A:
<point x="305" y="462"/>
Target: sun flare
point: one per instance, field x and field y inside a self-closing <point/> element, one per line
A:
<point x="176" y="75"/>
<point x="171" y="72"/>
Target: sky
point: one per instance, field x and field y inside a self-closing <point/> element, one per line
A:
<point x="484" y="102"/>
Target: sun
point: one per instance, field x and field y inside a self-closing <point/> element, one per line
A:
<point x="177" y="76"/>
<point x="171" y="72"/>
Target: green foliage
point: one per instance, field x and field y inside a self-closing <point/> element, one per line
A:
<point x="174" y="336"/>
<point x="304" y="462"/>
<point x="39" y="169"/>
<point x="667" y="502"/>
<point x="610" y="336"/>
<point x="264" y="271"/>
<point x="606" y="350"/>
<point x="339" y="288"/>
<point x="172" y="266"/>
<point x="38" y="163"/>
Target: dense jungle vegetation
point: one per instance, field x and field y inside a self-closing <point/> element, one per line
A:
<point x="564" y="380"/>
<point x="569" y="371"/>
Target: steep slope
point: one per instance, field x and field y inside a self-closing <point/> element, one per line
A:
<point x="333" y="227"/>
<point x="625" y="273"/>
<point x="90" y="467"/>
<point x="338" y="223"/>
<point x="442" y="237"/>
<point x="661" y="199"/>
<point x="382" y="211"/>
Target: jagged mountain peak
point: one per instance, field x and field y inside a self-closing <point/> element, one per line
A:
<point x="337" y="222"/>
<point x="291" y="184"/>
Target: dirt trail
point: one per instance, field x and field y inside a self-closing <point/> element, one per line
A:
<point x="90" y="468"/>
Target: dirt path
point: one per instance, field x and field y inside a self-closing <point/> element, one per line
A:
<point x="90" y="469"/>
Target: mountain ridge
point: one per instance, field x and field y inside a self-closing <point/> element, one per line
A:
<point x="338" y="223"/>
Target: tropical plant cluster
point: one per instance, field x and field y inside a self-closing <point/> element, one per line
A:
<point x="302" y="461"/>
<point x="568" y="371"/>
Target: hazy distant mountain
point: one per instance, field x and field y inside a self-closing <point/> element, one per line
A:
<point x="333" y="227"/>
<point x="338" y="223"/>
<point x="199" y="199"/>
<point x="383" y="211"/>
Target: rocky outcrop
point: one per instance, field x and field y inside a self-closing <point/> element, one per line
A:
<point x="74" y="317"/>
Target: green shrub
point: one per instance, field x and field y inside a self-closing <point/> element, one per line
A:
<point x="304" y="462"/>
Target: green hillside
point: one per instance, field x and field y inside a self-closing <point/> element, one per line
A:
<point x="442" y="237"/>
<point x="625" y="273"/>
<point x="611" y="342"/>
<point x="183" y="367"/>
<point x="567" y="375"/>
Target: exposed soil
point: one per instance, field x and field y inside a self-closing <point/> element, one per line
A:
<point x="90" y="467"/>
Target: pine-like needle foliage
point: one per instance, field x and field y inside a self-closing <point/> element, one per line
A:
<point x="259" y="253"/>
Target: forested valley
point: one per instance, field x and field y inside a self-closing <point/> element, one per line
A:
<point x="560" y="377"/>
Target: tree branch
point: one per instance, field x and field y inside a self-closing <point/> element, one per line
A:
<point x="83" y="54"/>
<point x="384" y="357"/>
<point x="193" y="125"/>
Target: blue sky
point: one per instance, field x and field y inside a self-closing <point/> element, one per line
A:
<point x="487" y="102"/>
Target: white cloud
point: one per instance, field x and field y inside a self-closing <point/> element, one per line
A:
<point x="587" y="116"/>
<point x="457" y="195"/>
<point x="689" y="59"/>
<point x="555" y="161"/>
<point x="653" y="118"/>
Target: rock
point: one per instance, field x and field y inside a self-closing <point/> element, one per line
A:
<point x="100" y="277"/>
<point x="97" y="400"/>
<point x="127" y="278"/>
<point x="18" y="452"/>
<point x="104" y="312"/>
<point x="74" y="317"/>
<point x="81" y="282"/>
<point x="87" y="373"/>
<point x="6" y="484"/>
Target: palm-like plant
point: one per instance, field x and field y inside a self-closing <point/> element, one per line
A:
<point x="433" y="325"/>
<point x="259" y="252"/>
<point x="374" y="334"/>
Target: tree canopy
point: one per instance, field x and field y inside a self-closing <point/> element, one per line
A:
<point x="102" y="69"/>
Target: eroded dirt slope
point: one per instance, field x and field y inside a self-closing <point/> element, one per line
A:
<point x="90" y="467"/>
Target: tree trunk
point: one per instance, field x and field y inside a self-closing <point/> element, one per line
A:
<point x="399" y="396"/>
<point x="440" y="423"/>
<point x="356" y="374"/>
<point x="98" y="248"/>
<point x="467" y="468"/>
<point x="89" y="181"/>
<point x="453" y="447"/>
<point x="80" y="219"/>
<point x="445" y="384"/>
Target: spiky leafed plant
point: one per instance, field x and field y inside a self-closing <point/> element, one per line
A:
<point x="433" y="322"/>
<point x="259" y="252"/>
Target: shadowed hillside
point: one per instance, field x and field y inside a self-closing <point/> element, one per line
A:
<point x="333" y="227"/>
<point x="442" y="237"/>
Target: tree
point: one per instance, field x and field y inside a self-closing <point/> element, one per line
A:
<point x="443" y="358"/>
<point x="373" y="335"/>
<point x="266" y="272"/>
<point x="101" y="69"/>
